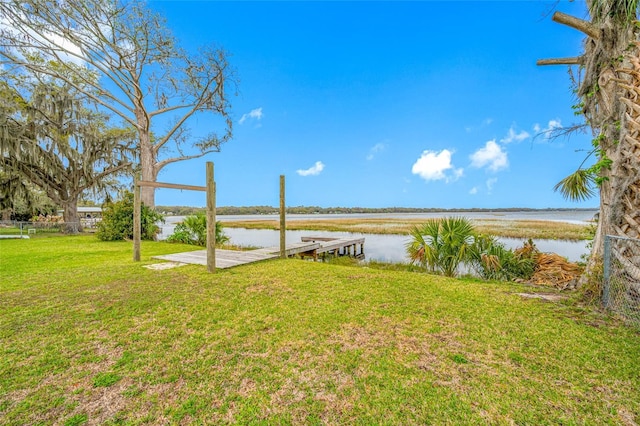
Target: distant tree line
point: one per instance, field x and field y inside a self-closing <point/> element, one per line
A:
<point x="256" y="210"/>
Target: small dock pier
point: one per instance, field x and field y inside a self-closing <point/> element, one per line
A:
<point x="308" y="247"/>
<point x="335" y="247"/>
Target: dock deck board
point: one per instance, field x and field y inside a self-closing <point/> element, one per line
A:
<point x="230" y="258"/>
<point x="224" y="258"/>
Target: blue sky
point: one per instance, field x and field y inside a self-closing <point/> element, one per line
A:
<point x="378" y="104"/>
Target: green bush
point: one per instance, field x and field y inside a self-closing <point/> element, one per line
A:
<point x="441" y="245"/>
<point x="492" y="261"/>
<point x="193" y="230"/>
<point x="117" y="221"/>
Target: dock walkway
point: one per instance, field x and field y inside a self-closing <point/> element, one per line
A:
<point x="310" y="246"/>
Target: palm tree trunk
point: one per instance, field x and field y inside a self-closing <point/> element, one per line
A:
<point x="611" y="93"/>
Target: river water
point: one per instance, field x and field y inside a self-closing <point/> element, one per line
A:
<point x="391" y="248"/>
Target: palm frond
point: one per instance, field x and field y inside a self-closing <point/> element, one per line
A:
<point x="578" y="186"/>
<point x="626" y="11"/>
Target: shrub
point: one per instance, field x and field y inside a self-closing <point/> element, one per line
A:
<point x="117" y="221"/>
<point x="441" y="245"/>
<point x="492" y="261"/>
<point x="193" y="230"/>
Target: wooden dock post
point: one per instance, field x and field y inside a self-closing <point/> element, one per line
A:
<point x="211" y="219"/>
<point x="210" y="189"/>
<point x="283" y="224"/>
<point x="137" y="214"/>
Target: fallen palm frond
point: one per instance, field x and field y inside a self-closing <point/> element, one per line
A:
<point x="555" y="270"/>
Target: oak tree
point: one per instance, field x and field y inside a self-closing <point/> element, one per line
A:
<point x="52" y="138"/>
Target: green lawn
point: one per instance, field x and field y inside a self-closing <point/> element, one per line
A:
<point x="88" y="336"/>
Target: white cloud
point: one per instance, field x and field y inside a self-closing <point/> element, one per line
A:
<point x="490" y="184"/>
<point x="254" y="114"/>
<point x="473" y="191"/>
<point x="486" y="122"/>
<point x="457" y="174"/>
<point x="432" y="165"/>
<point x="547" y="131"/>
<point x="50" y="40"/>
<point x="379" y="147"/>
<point x="491" y="156"/>
<point x="312" y="171"/>
<point x="512" y="136"/>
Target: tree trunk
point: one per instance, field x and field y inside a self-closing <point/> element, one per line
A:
<point x="70" y="216"/>
<point x="147" y="156"/>
<point x="148" y="173"/>
<point x="611" y="92"/>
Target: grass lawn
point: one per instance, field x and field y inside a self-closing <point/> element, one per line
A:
<point x="89" y="337"/>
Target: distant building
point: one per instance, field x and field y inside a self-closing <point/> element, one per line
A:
<point x="89" y="216"/>
<point x="92" y="212"/>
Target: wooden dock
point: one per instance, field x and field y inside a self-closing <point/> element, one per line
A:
<point x="309" y="247"/>
<point x="335" y="247"/>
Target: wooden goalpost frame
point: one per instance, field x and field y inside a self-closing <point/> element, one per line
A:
<point x="210" y="189"/>
<point x="283" y="221"/>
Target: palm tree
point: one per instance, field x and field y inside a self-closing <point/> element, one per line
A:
<point x="608" y="88"/>
<point x="441" y="245"/>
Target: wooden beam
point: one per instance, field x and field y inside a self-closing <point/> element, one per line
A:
<point x="283" y="223"/>
<point x="137" y="228"/>
<point x="171" y="185"/>
<point x="211" y="219"/>
<point x="575" y="60"/>
<point x="579" y="24"/>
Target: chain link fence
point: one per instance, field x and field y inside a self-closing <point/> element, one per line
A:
<point x="19" y="229"/>
<point x="621" y="292"/>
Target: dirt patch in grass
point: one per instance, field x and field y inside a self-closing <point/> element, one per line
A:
<point x="163" y="266"/>
<point x="550" y="297"/>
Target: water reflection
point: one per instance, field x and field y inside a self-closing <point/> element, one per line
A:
<point x="384" y="248"/>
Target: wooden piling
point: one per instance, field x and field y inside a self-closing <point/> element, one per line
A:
<point x="211" y="219"/>
<point x="137" y="228"/>
<point x="283" y="224"/>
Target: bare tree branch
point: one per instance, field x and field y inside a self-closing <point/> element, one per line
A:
<point x="167" y="161"/>
<point x="579" y="24"/>
<point x="575" y="60"/>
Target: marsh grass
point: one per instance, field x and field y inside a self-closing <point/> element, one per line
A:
<point x="89" y="337"/>
<point x="536" y="229"/>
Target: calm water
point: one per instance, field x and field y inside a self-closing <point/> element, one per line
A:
<point x="391" y="248"/>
